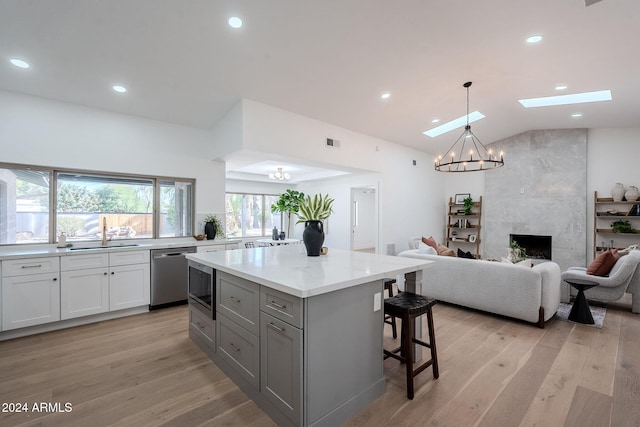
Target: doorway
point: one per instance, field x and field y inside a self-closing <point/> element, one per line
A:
<point x="364" y="219"/>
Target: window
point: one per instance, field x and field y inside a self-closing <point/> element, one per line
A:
<point x="24" y="205"/>
<point x="88" y="204"/>
<point x="85" y="202"/>
<point x="249" y="215"/>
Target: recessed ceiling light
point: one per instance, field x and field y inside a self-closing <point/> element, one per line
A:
<point x="561" y="87"/>
<point x="435" y="120"/>
<point x="119" y="89"/>
<point x="385" y="95"/>
<point x="576" y="98"/>
<point x="19" y="63"/>
<point x="235" y="22"/>
<point x="576" y="115"/>
<point x="454" y="124"/>
<point x="536" y="38"/>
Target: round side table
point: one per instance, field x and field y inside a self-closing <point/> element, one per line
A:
<point x="580" y="312"/>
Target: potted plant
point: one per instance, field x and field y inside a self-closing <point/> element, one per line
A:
<point x="288" y="203"/>
<point x="212" y="227"/>
<point x="516" y="252"/>
<point x="312" y="211"/>
<point x="468" y="204"/>
<point x="622" y="226"/>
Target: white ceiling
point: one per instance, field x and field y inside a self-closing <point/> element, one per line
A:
<point x="330" y="60"/>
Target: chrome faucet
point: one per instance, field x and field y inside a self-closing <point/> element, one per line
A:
<point x="104" y="231"/>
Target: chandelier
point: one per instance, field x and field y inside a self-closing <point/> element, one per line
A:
<point x="279" y="175"/>
<point x="468" y="154"/>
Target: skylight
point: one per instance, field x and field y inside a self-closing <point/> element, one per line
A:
<point x="19" y="63"/>
<point x="454" y="124"/>
<point x="576" y="98"/>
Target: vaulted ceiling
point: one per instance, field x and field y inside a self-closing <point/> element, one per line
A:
<point x="331" y="60"/>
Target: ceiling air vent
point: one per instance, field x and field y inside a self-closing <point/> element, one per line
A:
<point x="334" y="143"/>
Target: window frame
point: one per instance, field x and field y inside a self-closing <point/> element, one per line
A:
<point x="53" y="194"/>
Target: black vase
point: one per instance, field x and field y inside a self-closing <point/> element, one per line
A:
<point x="210" y="230"/>
<point x="313" y="237"/>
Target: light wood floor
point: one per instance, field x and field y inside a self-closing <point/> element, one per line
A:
<point x="144" y="371"/>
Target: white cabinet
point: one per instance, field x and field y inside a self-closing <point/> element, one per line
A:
<point x="84" y="288"/>
<point x="30" y="292"/>
<point x="129" y="279"/>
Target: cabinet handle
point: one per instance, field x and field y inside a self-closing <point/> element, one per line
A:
<point x="32" y="266"/>
<point x="55" y="279"/>
<point x="234" y="299"/>
<point x="113" y="272"/>
<point x="280" y="306"/>
<point x="234" y="347"/>
<point x="272" y="326"/>
<point x="105" y="273"/>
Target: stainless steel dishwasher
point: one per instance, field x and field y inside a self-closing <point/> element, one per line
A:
<point x="169" y="274"/>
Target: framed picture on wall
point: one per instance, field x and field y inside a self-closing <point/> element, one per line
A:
<point x="459" y="199"/>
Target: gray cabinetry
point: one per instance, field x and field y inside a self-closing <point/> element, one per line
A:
<point x="238" y="299"/>
<point x="202" y="329"/>
<point x="240" y="349"/>
<point x="281" y="366"/>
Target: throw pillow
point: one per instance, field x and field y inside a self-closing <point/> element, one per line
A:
<point x="445" y="251"/>
<point x="423" y="248"/>
<point x="602" y="265"/>
<point x="463" y="254"/>
<point x="430" y="241"/>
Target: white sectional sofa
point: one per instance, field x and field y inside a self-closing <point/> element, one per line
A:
<point x="530" y="294"/>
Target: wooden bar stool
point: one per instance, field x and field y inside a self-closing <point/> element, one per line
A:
<point x="389" y="319"/>
<point x="407" y="306"/>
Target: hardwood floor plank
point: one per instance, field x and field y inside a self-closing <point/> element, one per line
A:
<point x="626" y="387"/>
<point x="589" y="408"/>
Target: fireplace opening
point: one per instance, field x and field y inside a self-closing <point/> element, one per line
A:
<point x="536" y="247"/>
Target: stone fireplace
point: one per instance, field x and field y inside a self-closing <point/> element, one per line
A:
<point x="540" y="191"/>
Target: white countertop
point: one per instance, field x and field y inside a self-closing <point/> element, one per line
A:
<point x="290" y="270"/>
<point x="44" y="250"/>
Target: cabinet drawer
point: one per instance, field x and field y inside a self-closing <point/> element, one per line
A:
<point x="128" y="257"/>
<point x="202" y="326"/>
<point x="240" y="349"/>
<point x="22" y="267"/>
<point x="281" y="306"/>
<point x="238" y="299"/>
<point x="78" y="262"/>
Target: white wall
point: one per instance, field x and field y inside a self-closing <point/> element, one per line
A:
<point x="42" y="132"/>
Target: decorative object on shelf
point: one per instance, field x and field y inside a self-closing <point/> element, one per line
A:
<point x="200" y="236"/>
<point x="471" y="154"/>
<point x="632" y="194"/>
<point x="274" y="234"/>
<point x="282" y="235"/>
<point x="617" y="192"/>
<point x="622" y="226"/>
<point x="472" y="238"/>
<point x="459" y="198"/>
<point x="468" y="204"/>
<point x="212" y="227"/>
<point x="312" y="212"/>
<point x="289" y="202"/>
<point x="279" y="175"/>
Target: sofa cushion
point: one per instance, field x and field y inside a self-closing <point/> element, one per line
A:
<point x="430" y="241"/>
<point x="463" y="254"/>
<point x="445" y="251"/>
<point x="603" y="263"/>
<point x="423" y="248"/>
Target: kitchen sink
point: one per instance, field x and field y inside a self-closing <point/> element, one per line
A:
<point x="93" y="248"/>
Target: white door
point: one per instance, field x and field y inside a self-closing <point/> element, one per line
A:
<point x="364" y="219"/>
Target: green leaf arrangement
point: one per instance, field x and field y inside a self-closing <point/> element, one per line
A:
<point x="317" y="208"/>
<point x="622" y="226"/>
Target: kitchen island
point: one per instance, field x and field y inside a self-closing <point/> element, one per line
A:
<point x="302" y="336"/>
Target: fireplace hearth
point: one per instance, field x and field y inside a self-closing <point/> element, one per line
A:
<point x="536" y="247"/>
